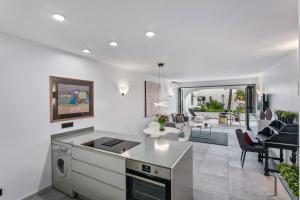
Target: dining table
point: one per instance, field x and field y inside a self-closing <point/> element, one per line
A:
<point x="155" y="132"/>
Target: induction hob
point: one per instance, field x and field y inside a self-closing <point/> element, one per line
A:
<point x="111" y="144"/>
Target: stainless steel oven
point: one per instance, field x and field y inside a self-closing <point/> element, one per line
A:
<point x="147" y="182"/>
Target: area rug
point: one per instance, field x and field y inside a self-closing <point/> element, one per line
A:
<point x="219" y="138"/>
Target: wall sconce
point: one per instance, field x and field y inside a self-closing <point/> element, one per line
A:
<point x="123" y="90"/>
<point x="259" y="91"/>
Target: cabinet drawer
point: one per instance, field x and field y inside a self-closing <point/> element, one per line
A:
<point x="102" y="160"/>
<point x="108" y="177"/>
<point x="95" y="190"/>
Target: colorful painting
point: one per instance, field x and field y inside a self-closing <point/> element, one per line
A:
<point x="71" y="98"/>
<point x="151" y="96"/>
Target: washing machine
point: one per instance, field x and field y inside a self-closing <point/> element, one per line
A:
<point x="61" y="168"/>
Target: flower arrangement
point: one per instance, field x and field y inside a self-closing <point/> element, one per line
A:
<point x="162" y="119"/>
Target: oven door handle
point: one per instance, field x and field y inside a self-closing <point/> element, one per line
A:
<point x="146" y="180"/>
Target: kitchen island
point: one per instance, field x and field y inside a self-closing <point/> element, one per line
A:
<point x="101" y="174"/>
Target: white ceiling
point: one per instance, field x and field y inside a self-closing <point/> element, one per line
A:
<point x="197" y="39"/>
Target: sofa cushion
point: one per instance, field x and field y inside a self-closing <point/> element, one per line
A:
<point x="179" y="118"/>
<point x="248" y="139"/>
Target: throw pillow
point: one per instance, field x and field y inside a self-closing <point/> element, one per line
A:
<point x="179" y="118"/>
<point x="248" y="139"/>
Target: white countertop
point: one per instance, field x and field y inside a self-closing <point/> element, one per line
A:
<point x="155" y="151"/>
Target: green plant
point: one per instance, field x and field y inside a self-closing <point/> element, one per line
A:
<point x="240" y="95"/>
<point x="288" y="115"/>
<point x="291" y="174"/>
<point x="215" y="106"/>
<point x="203" y="108"/>
<point x="279" y="113"/>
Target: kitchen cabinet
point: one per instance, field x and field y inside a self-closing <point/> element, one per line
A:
<point x="97" y="174"/>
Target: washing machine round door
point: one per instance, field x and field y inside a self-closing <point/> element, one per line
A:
<point x="61" y="166"/>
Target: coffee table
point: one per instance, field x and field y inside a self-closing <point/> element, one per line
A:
<point x="201" y="127"/>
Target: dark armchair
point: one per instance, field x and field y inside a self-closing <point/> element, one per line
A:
<point x="256" y="147"/>
<point x="192" y="113"/>
<point x="179" y="118"/>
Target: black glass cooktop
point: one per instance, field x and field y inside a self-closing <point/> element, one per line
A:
<point x="111" y="144"/>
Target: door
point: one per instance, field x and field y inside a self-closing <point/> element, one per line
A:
<point x="141" y="187"/>
<point x="61" y="166"/>
<point x="250" y="103"/>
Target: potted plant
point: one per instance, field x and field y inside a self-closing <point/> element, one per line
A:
<point x="289" y="175"/>
<point x="279" y="113"/>
<point x="288" y="117"/>
<point x="162" y="119"/>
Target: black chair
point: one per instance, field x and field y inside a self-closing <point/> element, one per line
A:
<point x="174" y="117"/>
<point x="256" y="147"/>
<point x="192" y="113"/>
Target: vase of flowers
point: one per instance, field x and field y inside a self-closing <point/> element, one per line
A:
<point x="162" y="119"/>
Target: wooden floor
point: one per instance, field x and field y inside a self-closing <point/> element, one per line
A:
<point x="218" y="175"/>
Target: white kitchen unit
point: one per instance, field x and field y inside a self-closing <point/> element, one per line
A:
<point x="150" y="168"/>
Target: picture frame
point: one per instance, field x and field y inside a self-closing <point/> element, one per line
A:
<point x="151" y="96"/>
<point x="70" y="98"/>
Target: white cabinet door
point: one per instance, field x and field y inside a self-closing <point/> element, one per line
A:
<point x="96" y="190"/>
<point x="105" y="176"/>
<point x="105" y="161"/>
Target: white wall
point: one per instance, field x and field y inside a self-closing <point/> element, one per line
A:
<point x="25" y="163"/>
<point x="281" y="83"/>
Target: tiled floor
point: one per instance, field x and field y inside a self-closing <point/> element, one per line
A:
<point x="218" y="175"/>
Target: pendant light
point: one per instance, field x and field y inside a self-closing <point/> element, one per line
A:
<point x="161" y="102"/>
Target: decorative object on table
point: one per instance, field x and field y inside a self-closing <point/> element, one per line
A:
<point x="205" y="124"/>
<point x="162" y="102"/>
<point x="162" y="119"/>
<point x="263" y="122"/>
<point x="269" y="114"/>
<point x="262" y="115"/>
<point x="199" y="119"/>
<point x="71" y="98"/>
<point x="290" y="173"/>
<point x="151" y="96"/>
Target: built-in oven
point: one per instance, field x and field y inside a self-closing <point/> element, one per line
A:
<point x="147" y="182"/>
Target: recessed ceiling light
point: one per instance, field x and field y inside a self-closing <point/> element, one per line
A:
<point x="58" y="17"/>
<point x="150" y="34"/>
<point x="113" y="44"/>
<point x="87" y="51"/>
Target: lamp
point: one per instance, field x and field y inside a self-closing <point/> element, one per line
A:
<point x="259" y="91"/>
<point x="123" y="89"/>
<point x="160" y="103"/>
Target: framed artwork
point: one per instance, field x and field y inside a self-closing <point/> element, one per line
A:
<point x="71" y="98"/>
<point x="151" y="96"/>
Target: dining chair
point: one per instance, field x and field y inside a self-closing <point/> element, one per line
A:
<point x="256" y="147"/>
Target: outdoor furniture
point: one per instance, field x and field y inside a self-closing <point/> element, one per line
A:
<point x="223" y="118"/>
<point x="256" y="147"/>
<point x="192" y="113"/>
<point x="201" y="127"/>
